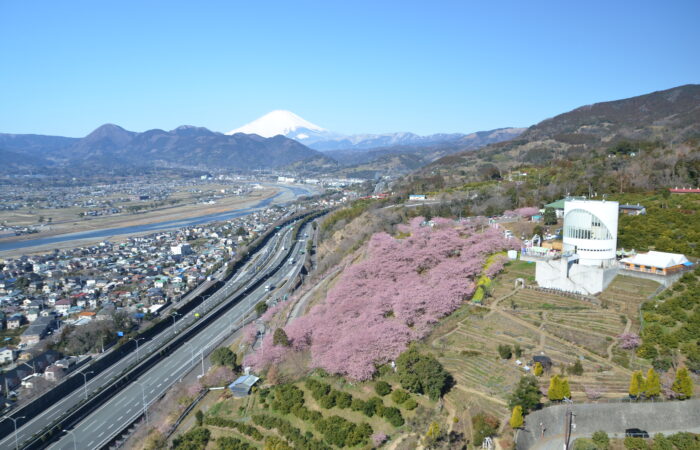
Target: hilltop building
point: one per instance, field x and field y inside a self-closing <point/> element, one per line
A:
<point x="586" y="264"/>
<point x="658" y="263"/>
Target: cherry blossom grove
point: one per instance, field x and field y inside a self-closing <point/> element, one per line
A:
<point x="392" y="297"/>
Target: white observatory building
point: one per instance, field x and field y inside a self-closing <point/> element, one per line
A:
<point x="590" y="231"/>
<point x="587" y="263"/>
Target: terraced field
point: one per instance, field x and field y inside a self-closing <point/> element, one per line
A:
<point x="625" y="294"/>
<point x="564" y="328"/>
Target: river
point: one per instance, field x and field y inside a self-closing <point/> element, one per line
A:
<point x="151" y="227"/>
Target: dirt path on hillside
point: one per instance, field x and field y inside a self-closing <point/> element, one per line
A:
<point x="628" y="325"/>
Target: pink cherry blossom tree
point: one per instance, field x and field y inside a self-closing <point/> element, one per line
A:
<point x="392" y="297"/>
<point x="629" y="341"/>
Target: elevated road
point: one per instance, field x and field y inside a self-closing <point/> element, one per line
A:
<point x="266" y="258"/>
<point x="109" y="420"/>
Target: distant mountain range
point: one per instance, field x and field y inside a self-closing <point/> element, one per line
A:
<point x="263" y="144"/>
<point x="112" y="146"/>
<point x="290" y="125"/>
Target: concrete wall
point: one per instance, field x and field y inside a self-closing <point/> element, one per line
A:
<point x="560" y="274"/>
<point x="613" y="418"/>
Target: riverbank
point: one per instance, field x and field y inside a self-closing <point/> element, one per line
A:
<point x="143" y="224"/>
<point x="163" y="214"/>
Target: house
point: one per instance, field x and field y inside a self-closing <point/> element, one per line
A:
<point x="36" y="331"/>
<point x="62" y="306"/>
<point x="243" y="384"/>
<point x="54" y="372"/>
<point x="558" y="206"/>
<point x="659" y="263"/>
<point x="633" y="210"/>
<point x="7" y="355"/>
<point x="15" y="321"/>
<point x="417" y="197"/>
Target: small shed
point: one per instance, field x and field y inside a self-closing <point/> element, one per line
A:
<point x="545" y="361"/>
<point x="243" y="384"/>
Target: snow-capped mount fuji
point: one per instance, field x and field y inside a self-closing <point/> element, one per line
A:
<point x="288" y="125"/>
<point x="294" y="127"/>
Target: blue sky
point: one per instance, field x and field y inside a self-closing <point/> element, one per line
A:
<point x="351" y="67"/>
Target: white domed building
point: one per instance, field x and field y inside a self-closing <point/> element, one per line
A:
<point x="590" y="231"/>
<point x="587" y="264"/>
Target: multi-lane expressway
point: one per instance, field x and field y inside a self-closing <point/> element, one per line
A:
<point x="268" y="257"/>
<point x="106" y="422"/>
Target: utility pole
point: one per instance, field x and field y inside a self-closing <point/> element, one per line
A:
<point x="85" y="381"/>
<point x="14" y="420"/>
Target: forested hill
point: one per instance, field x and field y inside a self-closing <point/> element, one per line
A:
<point x="647" y="141"/>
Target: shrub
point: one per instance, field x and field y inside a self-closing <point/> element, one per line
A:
<point x="286" y="397"/>
<point x="483" y="426"/>
<point x="196" y="438"/>
<point x="232" y="443"/>
<point x="584" y="444"/>
<point x="373" y="406"/>
<point x="685" y="441"/>
<point x="327" y="401"/>
<point x="357" y="404"/>
<point x="601" y="440"/>
<point x="243" y="428"/>
<point x="505" y="351"/>
<point x="393" y="416"/>
<point x="382" y="388"/>
<point x="399" y="396"/>
<point x="661" y="442"/>
<point x="410" y="405"/>
<point x="635" y="443"/>
<point x="341" y="432"/>
<point x="289" y="432"/>
<point x="343" y="399"/>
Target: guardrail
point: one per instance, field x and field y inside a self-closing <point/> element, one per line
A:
<point x="81" y="410"/>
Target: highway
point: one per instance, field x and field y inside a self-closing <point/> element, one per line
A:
<point x="103" y="424"/>
<point x="267" y="257"/>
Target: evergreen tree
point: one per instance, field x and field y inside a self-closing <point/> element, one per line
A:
<point x="555" y="392"/>
<point x="223" y="356"/>
<point x="538" y="369"/>
<point x="576" y="369"/>
<point x="280" y="338"/>
<point x="565" y="389"/>
<point x="636" y="384"/>
<point x="527" y="394"/>
<point x="550" y="216"/>
<point x="652" y="385"/>
<point x="516" y="418"/>
<point x="683" y="385"/>
<point x="261" y="308"/>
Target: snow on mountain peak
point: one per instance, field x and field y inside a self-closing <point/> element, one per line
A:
<point x="281" y="122"/>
